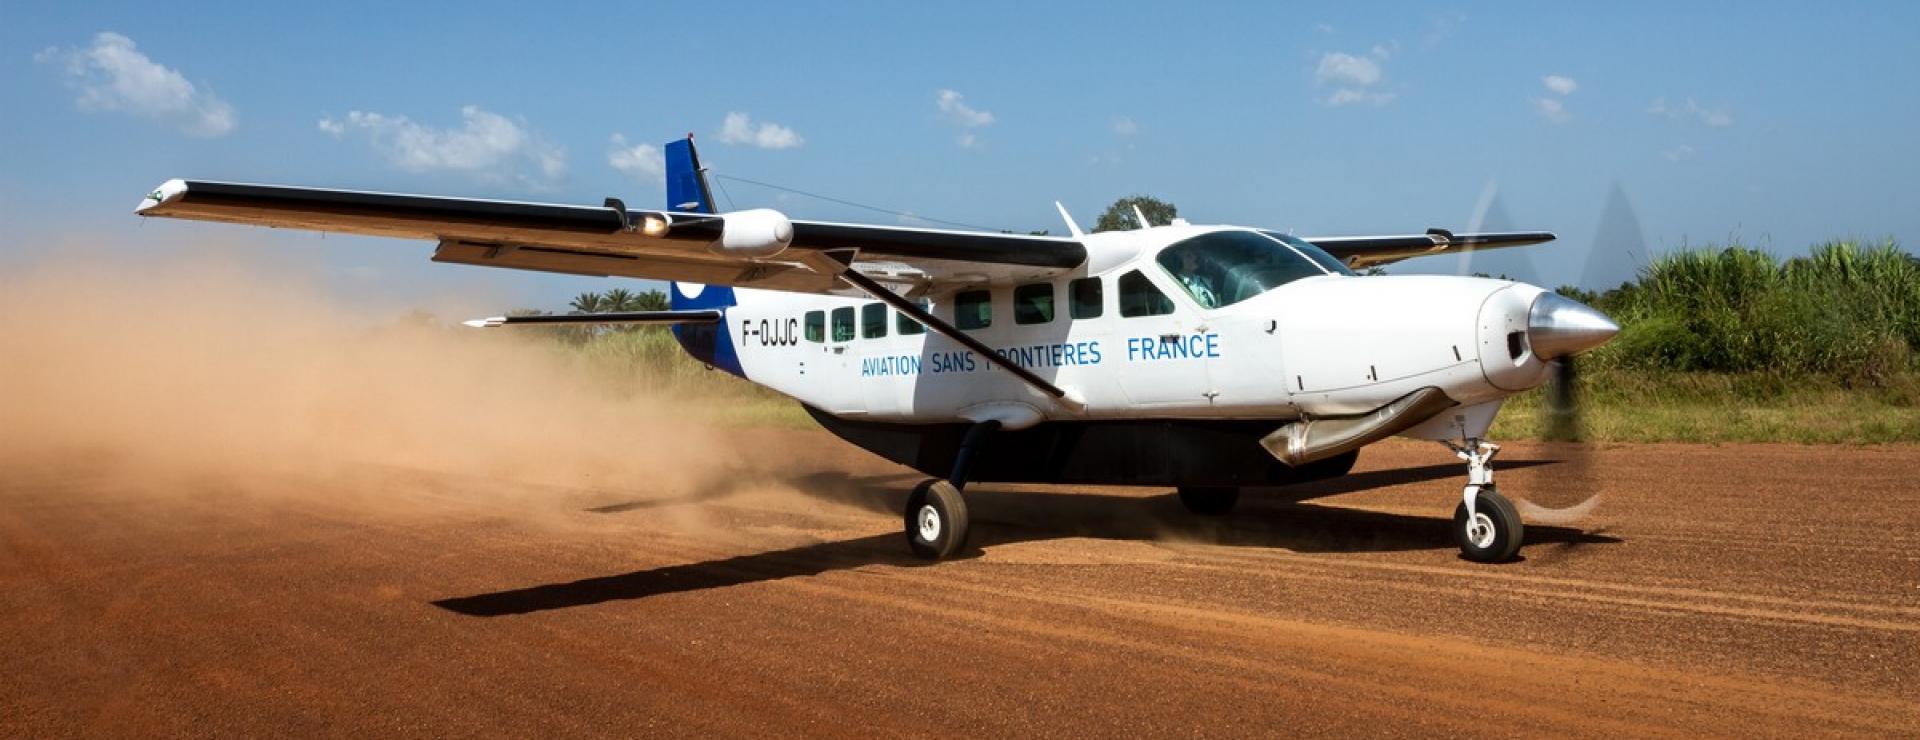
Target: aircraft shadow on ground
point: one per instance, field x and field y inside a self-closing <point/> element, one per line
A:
<point x="1266" y="518"/>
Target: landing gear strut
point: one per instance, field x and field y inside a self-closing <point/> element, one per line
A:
<point x="936" y="515"/>
<point x="1485" y="523"/>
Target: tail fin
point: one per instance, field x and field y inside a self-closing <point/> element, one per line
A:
<point x="686" y="183"/>
<point x="687" y="192"/>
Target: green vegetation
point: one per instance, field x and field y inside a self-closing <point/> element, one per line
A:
<point x="648" y="360"/>
<point x="1119" y="216"/>
<point x="1734" y="344"/>
<point x="1844" y="313"/>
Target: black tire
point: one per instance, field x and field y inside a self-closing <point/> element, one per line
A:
<point x="936" y="520"/>
<point x="1209" y="500"/>
<point x="1501" y="540"/>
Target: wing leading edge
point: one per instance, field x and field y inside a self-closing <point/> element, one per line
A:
<point x="612" y="240"/>
<point x="1373" y="251"/>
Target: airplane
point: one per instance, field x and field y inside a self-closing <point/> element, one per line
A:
<point x="1202" y="358"/>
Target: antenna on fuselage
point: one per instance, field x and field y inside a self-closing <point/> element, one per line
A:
<point x="1072" y="228"/>
<point x="1141" y="217"/>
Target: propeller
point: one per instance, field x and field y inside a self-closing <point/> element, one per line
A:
<point x="1611" y="259"/>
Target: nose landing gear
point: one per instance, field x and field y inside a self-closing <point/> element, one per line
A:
<point x="1486" y="524"/>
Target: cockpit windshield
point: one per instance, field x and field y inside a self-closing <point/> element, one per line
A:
<point x="1227" y="267"/>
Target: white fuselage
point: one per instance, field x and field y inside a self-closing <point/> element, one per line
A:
<point x="1324" y="345"/>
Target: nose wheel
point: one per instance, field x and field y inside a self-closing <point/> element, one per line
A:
<point x="1491" y="531"/>
<point x="1485" y="523"/>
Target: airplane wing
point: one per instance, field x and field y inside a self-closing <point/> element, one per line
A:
<point x="1361" y="252"/>
<point x="755" y="249"/>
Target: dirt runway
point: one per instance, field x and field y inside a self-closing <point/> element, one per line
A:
<point x="1738" y="590"/>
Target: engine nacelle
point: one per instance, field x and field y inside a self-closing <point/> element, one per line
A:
<point x="757" y="233"/>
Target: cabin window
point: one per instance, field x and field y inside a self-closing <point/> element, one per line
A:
<point x="905" y="326"/>
<point x="973" y="309"/>
<point x="1227" y="267"/>
<point x="1033" y="304"/>
<point x="843" y="324"/>
<point x="873" y="320"/>
<point x="1086" y="299"/>
<point x="1139" y="297"/>
<point x="816" y="326"/>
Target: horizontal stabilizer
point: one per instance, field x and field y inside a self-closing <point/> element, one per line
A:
<point x="631" y="317"/>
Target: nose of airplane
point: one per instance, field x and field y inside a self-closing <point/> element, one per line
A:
<point x="1558" y="326"/>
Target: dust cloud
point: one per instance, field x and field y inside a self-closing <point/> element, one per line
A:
<point x="220" y="368"/>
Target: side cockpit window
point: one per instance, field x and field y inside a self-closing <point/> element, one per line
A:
<point x="1227" y="267"/>
<point x="1139" y="297"/>
<point x="1086" y="299"/>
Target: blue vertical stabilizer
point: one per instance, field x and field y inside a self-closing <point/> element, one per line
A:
<point x="687" y="193"/>
<point x="686" y="184"/>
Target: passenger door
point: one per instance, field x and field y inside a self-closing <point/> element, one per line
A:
<point x="1162" y="346"/>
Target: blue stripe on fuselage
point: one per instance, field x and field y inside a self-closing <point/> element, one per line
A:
<point x="708" y="343"/>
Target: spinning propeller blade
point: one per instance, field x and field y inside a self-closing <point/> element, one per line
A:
<point x="1618" y="247"/>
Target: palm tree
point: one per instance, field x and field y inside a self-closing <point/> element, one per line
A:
<point x="651" y="300"/>
<point x="588" y="303"/>
<point x="619" y="299"/>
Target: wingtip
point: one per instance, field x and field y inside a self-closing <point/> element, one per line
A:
<point x="487" y="323"/>
<point x="168" y="192"/>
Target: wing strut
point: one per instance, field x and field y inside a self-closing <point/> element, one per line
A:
<point x="915" y="312"/>
<point x="629" y="317"/>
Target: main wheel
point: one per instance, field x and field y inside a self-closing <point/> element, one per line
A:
<point x="1494" y="532"/>
<point x="1209" y="500"/>
<point x="936" y="519"/>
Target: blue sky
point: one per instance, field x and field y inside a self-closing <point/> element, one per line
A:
<point x="1779" y="124"/>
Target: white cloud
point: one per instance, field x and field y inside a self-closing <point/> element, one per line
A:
<point x="643" y="162"/>
<point x="1349" y="96"/>
<point x="1124" y="126"/>
<point x="1552" y="110"/>
<point x="1716" y="117"/>
<point x="1326" y="28"/>
<point x="1560" y="85"/>
<point x="487" y="145"/>
<point x="1339" y="68"/>
<point x="1678" y="153"/>
<point x="738" y="128"/>
<point x="954" y="109"/>
<point x="112" y="75"/>
<point x="1353" y="76"/>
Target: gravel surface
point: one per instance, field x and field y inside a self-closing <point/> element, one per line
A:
<point x="1728" y="590"/>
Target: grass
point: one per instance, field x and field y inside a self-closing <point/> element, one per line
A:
<point x="1654" y="406"/>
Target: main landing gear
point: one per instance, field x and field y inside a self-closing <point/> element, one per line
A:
<point x="1485" y="523"/>
<point x="936" y="515"/>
